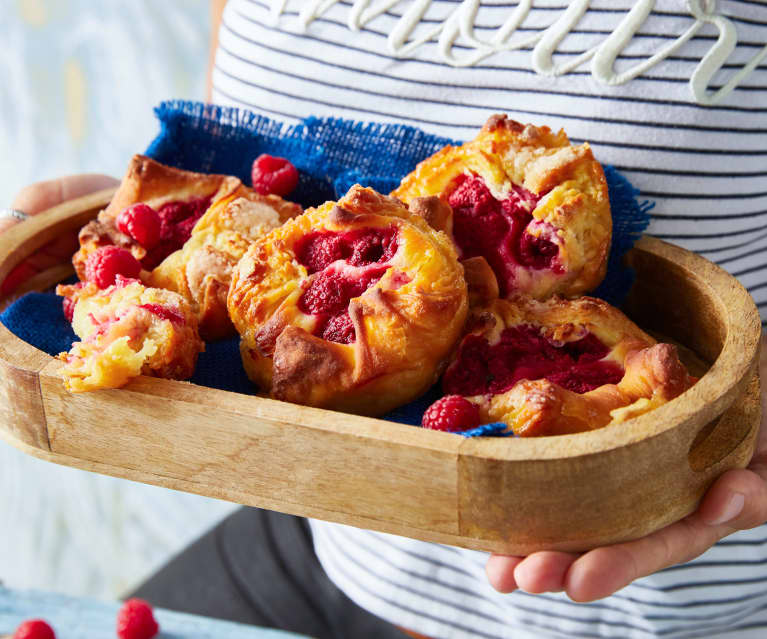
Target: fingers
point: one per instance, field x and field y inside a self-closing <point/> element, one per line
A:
<point x="738" y="500"/>
<point x="43" y="195"/>
<point x="539" y="572"/>
<point x="544" y="571"/>
<point x="500" y="572"/>
<point x="603" y="571"/>
<point x="38" y="197"/>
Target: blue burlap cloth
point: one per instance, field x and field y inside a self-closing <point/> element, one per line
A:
<point x="331" y="155"/>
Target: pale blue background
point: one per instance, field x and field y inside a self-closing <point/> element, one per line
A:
<point x="78" y="80"/>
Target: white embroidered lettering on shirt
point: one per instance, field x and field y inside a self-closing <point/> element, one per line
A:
<point x="460" y="23"/>
<point x="544" y="50"/>
<point x="616" y="42"/>
<point x="717" y="55"/>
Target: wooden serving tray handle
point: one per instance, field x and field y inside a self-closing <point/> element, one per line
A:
<point x="508" y="495"/>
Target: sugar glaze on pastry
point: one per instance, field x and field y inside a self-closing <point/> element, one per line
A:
<point x="524" y="200"/>
<point x="354" y="305"/>
<point x="201" y="270"/>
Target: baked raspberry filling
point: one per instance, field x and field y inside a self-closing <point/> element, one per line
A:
<point x="367" y="250"/>
<point x="328" y="297"/>
<point x="165" y="312"/>
<point x="176" y="222"/>
<point x="524" y="353"/>
<point x="102" y="325"/>
<point x="360" y="247"/>
<point x="495" y="229"/>
<point x="339" y="328"/>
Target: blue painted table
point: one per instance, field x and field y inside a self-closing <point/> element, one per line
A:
<point x="75" y="618"/>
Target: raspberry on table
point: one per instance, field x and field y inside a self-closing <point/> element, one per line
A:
<point x="452" y="413"/>
<point x="34" y="629"/>
<point x="103" y="266"/>
<point x="273" y="176"/>
<point x="142" y="223"/>
<point x="135" y="620"/>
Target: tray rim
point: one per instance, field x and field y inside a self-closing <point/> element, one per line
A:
<point x="713" y="393"/>
<point x="40" y="418"/>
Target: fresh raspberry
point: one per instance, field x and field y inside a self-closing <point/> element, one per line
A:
<point x="339" y="329"/>
<point x="135" y="620"/>
<point x="272" y="175"/>
<point x="107" y="262"/>
<point x="177" y="219"/>
<point x="452" y="413"/>
<point x="142" y="223"/>
<point x="34" y="629"/>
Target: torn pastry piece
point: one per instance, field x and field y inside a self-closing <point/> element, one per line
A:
<point x="354" y="305"/>
<point x="526" y="201"/>
<point x="561" y="366"/>
<point x="167" y="199"/>
<point x="127" y="330"/>
<point x="201" y="270"/>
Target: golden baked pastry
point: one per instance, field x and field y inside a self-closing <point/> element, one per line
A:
<point x="201" y="270"/>
<point x="527" y="202"/>
<point x="353" y="305"/>
<point x="178" y="197"/>
<point x="128" y="330"/>
<point x="561" y="366"/>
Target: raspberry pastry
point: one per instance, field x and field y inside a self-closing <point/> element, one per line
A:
<point x="153" y="211"/>
<point x="561" y="366"/>
<point x="127" y="330"/>
<point x="201" y="271"/>
<point x="526" y="202"/>
<point x="353" y="306"/>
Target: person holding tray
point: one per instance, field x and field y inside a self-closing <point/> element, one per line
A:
<point x="673" y="95"/>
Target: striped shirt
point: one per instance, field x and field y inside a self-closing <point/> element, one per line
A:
<point x="671" y="92"/>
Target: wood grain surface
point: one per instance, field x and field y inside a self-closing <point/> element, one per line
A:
<point x="508" y="495"/>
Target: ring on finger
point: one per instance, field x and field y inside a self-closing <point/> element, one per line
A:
<point x="15" y="214"/>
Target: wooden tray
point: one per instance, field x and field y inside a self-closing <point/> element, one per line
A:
<point x="506" y="495"/>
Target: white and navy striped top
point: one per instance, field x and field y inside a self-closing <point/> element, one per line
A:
<point x="671" y="92"/>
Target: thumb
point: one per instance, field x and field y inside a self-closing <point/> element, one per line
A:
<point x="42" y="195"/>
<point x="38" y="197"/>
<point x="737" y="500"/>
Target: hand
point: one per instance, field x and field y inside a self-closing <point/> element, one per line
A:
<point x="41" y="196"/>
<point x="736" y="501"/>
